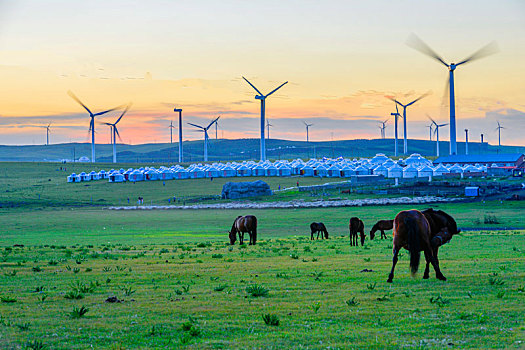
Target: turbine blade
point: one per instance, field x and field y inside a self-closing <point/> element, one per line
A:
<point x="215" y="120"/>
<point x="274" y="90"/>
<point x="430" y="118"/>
<point x="253" y="86"/>
<point x="487" y="50"/>
<point x="107" y="111"/>
<point x="197" y="126"/>
<point x="74" y="97"/>
<point x="416" y="43"/>
<point x="124" y="112"/>
<point x="116" y="132"/>
<point x="417" y="99"/>
<point x="442" y="125"/>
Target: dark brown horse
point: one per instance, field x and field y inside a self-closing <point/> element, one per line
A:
<point x="381" y="225"/>
<point x="442" y="228"/>
<point x="318" y="227"/>
<point x="356" y="226"/>
<point x="241" y="225"/>
<point x="412" y="231"/>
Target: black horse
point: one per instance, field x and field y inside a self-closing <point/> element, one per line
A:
<point x="318" y="227"/>
<point x="356" y="226"/>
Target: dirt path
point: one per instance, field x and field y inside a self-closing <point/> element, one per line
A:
<point x="297" y="204"/>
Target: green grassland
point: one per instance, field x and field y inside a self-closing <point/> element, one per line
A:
<point x="182" y="286"/>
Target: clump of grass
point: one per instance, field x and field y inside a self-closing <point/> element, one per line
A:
<point x="220" y="287"/>
<point x="42" y="297"/>
<point x="8" y="299"/>
<point x="500" y="294"/>
<point x="128" y="291"/>
<point x="74" y="295"/>
<point x="256" y="290"/>
<point x="52" y="262"/>
<point x="23" y="326"/>
<point x="315" y="306"/>
<point x="383" y="298"/>
<point x="496" y="281"/>
<point x="79" y="312"/>
<point x="35" y="345"/>
<point x="294" y="256"/>
<point x="491" y="219"/>
<point x="12" y="273"/>
<point x="371" y="286"/>
<point x="439" y="301"/>
<point x="106" y="269"/>
<point x="282" y="275"/>
<point x="191" y="328"/>
<point x="217" y="256"/>
<point x="307" y="249"/>
<point x="521" y="289"/>
<point x="39" y="289"/>
<point x="83" y="287"/>
<point x="37" y="269"/>
<point x="352" y="302"/>
<point x="270" y="319"/>
<point x="186" y="288"/>
<point x="317" y="275"/>
<point x="155" y="330"/>
<point x="76" y="270"/>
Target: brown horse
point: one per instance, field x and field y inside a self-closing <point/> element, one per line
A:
<point x="442" y="228"/>
<point x="241" y="225"/>
<point x="355" y="226"/>
<point x="412" y="232"/>
<point x="318" y="227"/>
<point x="381" y="225"/>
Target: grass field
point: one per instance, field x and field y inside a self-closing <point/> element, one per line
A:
<point x="182" y="286"/>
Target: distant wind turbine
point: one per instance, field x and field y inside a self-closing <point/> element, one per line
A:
<point x="382" y="127"/>
<point x="263" y="97"/>
<point x="268" y="125"/>
<point x="405" y="144"/>
<point x="115" y="132"/>
<point x="47" y="133"/>
<point x="205" y="130"/>
<point x="430" y="131"/>
<point x="92" y="122"/>
<point x="499" y="133"/>
<point x="179" y="110"/>
<point x="307" y="131"/>
<point x="416" y="43"/>
<point x="396" y="116"/>
<point x="171" y="126"/>
<point x="436" y="131"/>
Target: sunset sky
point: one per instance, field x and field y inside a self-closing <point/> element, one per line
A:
<point x="341" y="59"/>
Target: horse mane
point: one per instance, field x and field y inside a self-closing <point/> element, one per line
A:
<point x="450" y="220"/>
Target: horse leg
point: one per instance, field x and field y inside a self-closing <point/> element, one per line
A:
<point x="425" y="274"/>
<point x="383" y="235"/>
<point x="435" y="263"/>
<point x="394" y="262"/>
<point x="251" y="238"/>
<point x="312" y="235"/>
<point x="318" y="232"/>
<point x="241" y="238"/>
<point x="362" y="234"/>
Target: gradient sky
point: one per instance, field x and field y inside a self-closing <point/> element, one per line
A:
<point x="340" y="57"/>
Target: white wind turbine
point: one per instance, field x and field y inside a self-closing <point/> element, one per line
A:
<point x="263" y="97"/>
<point x="268" y="125"/>
<point x="92" y="122"/>
<point x="405" y="144"/>
<point x="396" y="116"/>
<point x="47" y="133"/>
<point x="206" y="138"/>
<point x="115" y="133"/>
<point x="416" y="43"/>
<point x="499" y="133"/>
<point x="307" y="130"/>
<point x="171" y="126"/>
<point x="436" y="131"/>
<point x="382" y="127"/>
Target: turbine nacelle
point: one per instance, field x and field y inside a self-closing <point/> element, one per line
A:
<point x="259" y="97"/>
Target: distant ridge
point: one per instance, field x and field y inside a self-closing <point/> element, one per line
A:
<point x="240" y="149"/>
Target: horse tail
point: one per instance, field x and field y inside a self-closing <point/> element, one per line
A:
<point x="413" y="244"/>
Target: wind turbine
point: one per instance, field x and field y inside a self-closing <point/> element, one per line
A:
<point x="466" y="141"/>
<point x="436" y="131"/>
<point x="171" y="131"/>
<point x="47" y="133"/>
<point x="405" y="144"/>
<point x="263" y="97"/>
<point x="205" y="130"/>
<point x="115" y="133"/>
<point x="396" y="115"/>
<point x="307" y="129"/>
<point x="430" y="131"/>
<point x="382" y="127"/>
<point x="179" y="110"/>
<point x="499" y="133"/>
<point x="418" y="44"/>
<point x="92" y="122"/>
<point x="268" y="125"/>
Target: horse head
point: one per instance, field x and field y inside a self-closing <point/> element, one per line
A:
<point x="233" y="237"/>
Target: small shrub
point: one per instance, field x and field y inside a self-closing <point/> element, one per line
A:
<point x="439" y="301"/>
<point x="42" y="297"/>
<point x="294" y="256"/>
<point x="74" y="295"/>
<point x="256" y="290"/>
<point x="220" y="287"/>
<point x="315" y="306"/>
<point x="89" y="269"/>
<point x="352" y="302"/>
<point x="12" y="273"/>
<point x="383" y="298"/>
<point x="52" y="262"/>
<point x="500" y="294"/>
<point x="35" y="345"/>
<point x="201" y="245"/>
<point x="217" y="256"/>
<point x="7" y="299"/>
<point x="39" y="289"/>
<point x="496" y="281"/>
<point x="282" y="275"/>
<point x="271" y="320"/>
<point x="79" y="312"/>
<point x="23" y="326"/>
<point x="307" y="249"/>
<point x="76" y="270"/>
<point x="37" y="269"/>
<point x="371" y="286"/>
<point x="128" y="291"/>
<point x="491" y="219"/>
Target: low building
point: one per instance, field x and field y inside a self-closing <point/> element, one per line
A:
<point x="500" y="159"/>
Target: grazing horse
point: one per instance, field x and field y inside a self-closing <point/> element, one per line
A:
<point x="355" y="226"/>
<point x="241" y="225"/>
<point x="442" y="228"/>
<point x="412" y="232"/>
<point x="318" y="227"/>
<point x="381" y="225"/>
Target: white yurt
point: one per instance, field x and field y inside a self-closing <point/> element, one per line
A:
<point x="284" y="170"/>
<point x="471" y="169"/>
<point x="73" y="178"/>
<point x="334" y="171"/>
<point x="379" y="158"/>
<point x="151" y="175"/>
<point x="410" y="171"/>
<point x="166" y="174"/>
<point x="136" y="175"/>
<point x="243" y="170"/>
<point x="321" y="171"/>
<point x="258" y="170"/>
<point x="347" y="171"/>
<point x="270" y="170"/>
<point x="102" y="174"/>
<point x="181" y="173"/>
<point x="362" y="170"/>
<point x="84" y="177"/>
<point x="455" y="169"/>
<point x="439" y="170"/>
<point x="381" y="170"/>
<point x="212" y="172"/>
<point x="94" y="175"/>
<point x="306" y="170"/>
<point x="228" y="171"/>
<point x="116" y="177"/>
<point x="395" y="171"/>
<point x="196" y="173"/>
<point x="425" y="171"/>
<point x="127" y="173"/>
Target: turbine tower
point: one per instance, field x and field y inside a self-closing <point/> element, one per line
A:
<point x="115" y="133"/>
<point x="430" y="131"/>
<point x="262" y="97"/>
<point x="382" y="127"/>
<point x="268" y="125"/>
<point x="396" y="116"/>
<point x="418" y="44"/>
<point x="405" y="144"/>
<point x="307" y="131"/>
<point x="92" y="122"/>
<point x="499" y="133"/>
<point x="171" y="131"/>
<point x="179" y="110"/>
<point x="466" y="141"/>
<point x="436" y="131"/>
<point x="205" y="130"/>
<point x="47" y="133"/>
